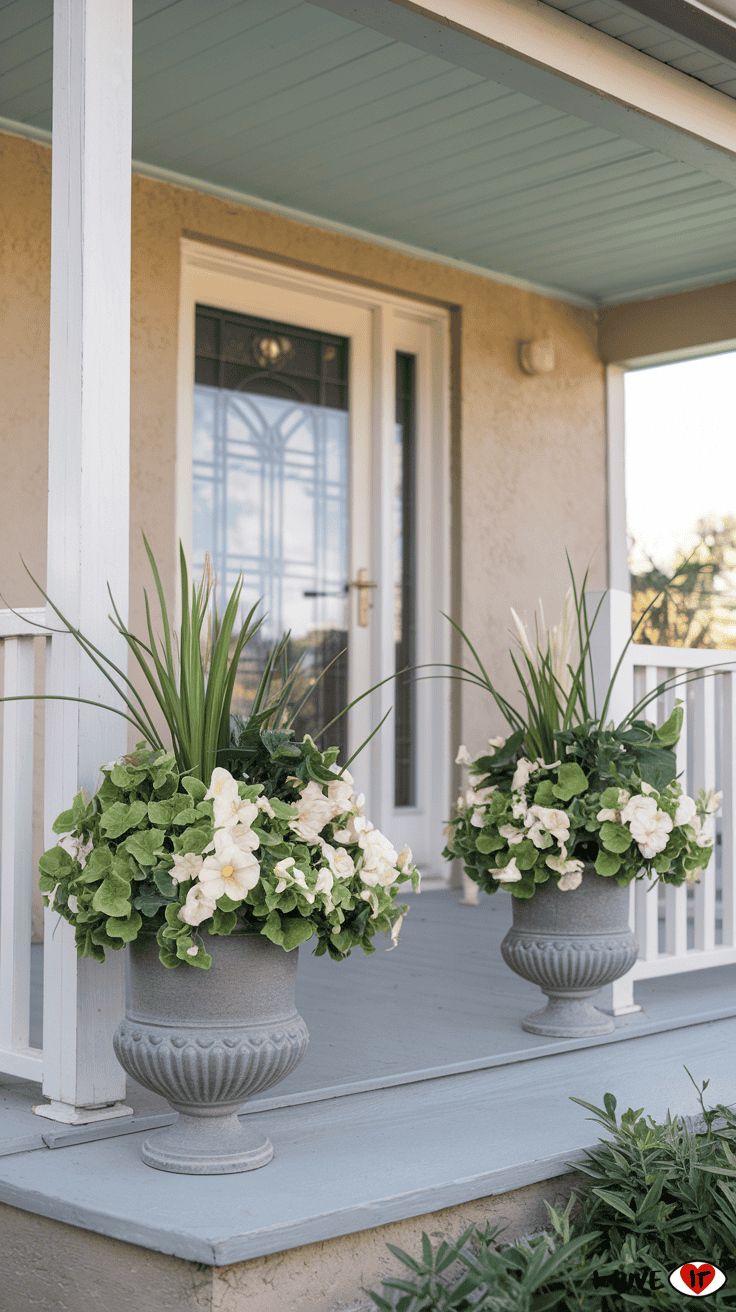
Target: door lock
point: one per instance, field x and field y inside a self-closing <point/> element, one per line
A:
<point x="364" y="585"/>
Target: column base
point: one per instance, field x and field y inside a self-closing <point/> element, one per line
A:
<point x="69" y="1115"/>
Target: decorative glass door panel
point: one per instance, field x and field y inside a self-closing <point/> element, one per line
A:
<point x="313" y="461"/>
<point x="271" y="495"/>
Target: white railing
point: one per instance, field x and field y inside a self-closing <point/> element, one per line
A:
<point x="18" y="642"/>
<point x="694" y="926"/>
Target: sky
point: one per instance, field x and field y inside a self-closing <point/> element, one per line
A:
<point x="680" y="451"/>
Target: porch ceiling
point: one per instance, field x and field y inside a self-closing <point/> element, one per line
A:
<point x="303" y="107"/>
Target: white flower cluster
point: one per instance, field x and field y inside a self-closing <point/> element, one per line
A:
<point x="541" y="824"/>
<point x="651" y="827"/>
<point x="229" y="866"/>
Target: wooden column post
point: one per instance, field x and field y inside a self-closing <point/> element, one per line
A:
<point x="88" y="516"/>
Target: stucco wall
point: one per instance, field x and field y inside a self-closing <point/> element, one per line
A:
<point x="529" y="452"/>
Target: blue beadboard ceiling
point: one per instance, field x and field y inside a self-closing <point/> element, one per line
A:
<point x="305" y="108"/>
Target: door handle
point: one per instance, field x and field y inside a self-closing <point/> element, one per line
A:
<point x="364" y="585"/>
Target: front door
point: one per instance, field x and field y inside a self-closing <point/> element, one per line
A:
<point x="314" y="470"/>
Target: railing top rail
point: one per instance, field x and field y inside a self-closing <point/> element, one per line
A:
<point x="680" y="658"/>
<point x="23" y="622"/>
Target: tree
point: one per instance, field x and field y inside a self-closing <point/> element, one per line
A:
<point x="697" y="607"/>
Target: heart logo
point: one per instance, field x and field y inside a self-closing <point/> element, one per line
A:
<point x="697" y="1278"/>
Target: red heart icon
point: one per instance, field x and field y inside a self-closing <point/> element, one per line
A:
<point x="697" y="1278"/>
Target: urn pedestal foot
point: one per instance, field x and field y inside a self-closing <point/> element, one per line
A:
<point x="202" y="1145"/>
<point x="569" y="1017"/>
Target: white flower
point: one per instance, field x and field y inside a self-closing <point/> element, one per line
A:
<point x="72" y="903"/>
<point x="686" y="811"/>
<point x="199" y="906"/>
<point x="638" y="806"/>
<point x="340" y="862"/>
<point x="78" y="850"/>
<point x="608" y="814"/>
<point x="193" y="950"/>
<point x="649" y="826"/>
<point x="497" y="742"/>
<point x="571" y="880"/>
<point x="314" y="811"/>
<point x="405" y="859"/>
<point x="623" y="798"/>
<point x="511" y="834"/>
<point x="647" y="789"/>
<point x="242" y="836"/>
<point x="186" y="867"/>
<point x="222" y="784"/>
<point x="522" y="772"/>
<point x="477" y="818"/>
<point x="518" y="810"/>
<point x="230" y="811"/>
<point x="324" y="885"/>
<point x="287" y="876"/>
<point x="508" y="874"/>
<point x="379" y="858"/>
<point x="547" y="820"/>
<point x="230" y="870"/>
<point x="463" y="756"/>
<point x="711" y="801"/>
<point x="395" y="929"/>
<point x="264" y="805"/>
<point x="340" y="793"/>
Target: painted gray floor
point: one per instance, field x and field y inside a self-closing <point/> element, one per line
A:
<point x="443" y="996"/>
<point x="361" y="1136"/>
<point x="354" y="1162"/>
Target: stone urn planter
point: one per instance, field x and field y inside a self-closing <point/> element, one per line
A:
<point x="571" y="943"/>
<point x="207" y="1041"/>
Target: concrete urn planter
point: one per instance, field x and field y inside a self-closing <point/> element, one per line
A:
<point x="207" y="1040"/>
<point x="571" y="944"/>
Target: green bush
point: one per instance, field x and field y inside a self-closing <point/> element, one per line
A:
<point x="660" y="1195"/>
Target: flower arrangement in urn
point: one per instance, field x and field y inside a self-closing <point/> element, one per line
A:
<point x="569" y="802"/>
<point x="224" y="849"/>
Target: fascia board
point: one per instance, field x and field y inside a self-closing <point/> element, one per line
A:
<point x="561" y="62"/>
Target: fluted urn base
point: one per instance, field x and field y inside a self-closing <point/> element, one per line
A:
<point x="571" y="944"/>
<point x="207" y="1041"/>
<point x="199" y="1145"/>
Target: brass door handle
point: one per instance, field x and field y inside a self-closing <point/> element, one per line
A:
<point x="364" y="585"/>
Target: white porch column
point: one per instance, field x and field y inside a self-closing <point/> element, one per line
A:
<point x="88" y="516"/>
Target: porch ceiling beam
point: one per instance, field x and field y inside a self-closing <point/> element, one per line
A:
<point x="570" y="66"/>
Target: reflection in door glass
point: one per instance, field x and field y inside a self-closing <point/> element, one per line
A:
<point x="405" y="572"/>
<point x="270" y="497"/>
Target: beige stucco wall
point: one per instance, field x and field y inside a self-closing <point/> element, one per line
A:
<point x="529" y="454"/>
<point x="683" y="323"/>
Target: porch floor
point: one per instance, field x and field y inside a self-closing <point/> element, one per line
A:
<point x="432" y="1100"/>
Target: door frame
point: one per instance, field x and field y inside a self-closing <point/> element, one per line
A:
<point x="209" y="273"/>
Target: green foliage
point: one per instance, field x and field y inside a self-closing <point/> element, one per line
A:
<point x="506" y="817"/>
<point x="659" y="1195"/>
<point x="122" y="867"/>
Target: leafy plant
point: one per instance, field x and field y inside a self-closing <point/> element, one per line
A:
<point x="660" y="1194"/>
<point x="157" y="851"/>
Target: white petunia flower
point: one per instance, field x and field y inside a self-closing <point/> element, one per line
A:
<point x="340" y="862"/>
<point x="649" y="826"/>
<point x="547" y="820"/>
<point x="243" y="837"/>
<point x="324" y="885"/>
<point x="512" y="834"/>
<point x="78" y="850"/>
<point x="519" y="808"/>
<point x="230" y="811"/>
<point x="463" y="756"/>
<point x="508" y="874"/>
<point x="230" y="870"/>
<point x="497" y="742"/>
<point x="288" y="873"/>
<point x="314" y="811"/>
<point x="405" y="858"/>
<point x="264" y="805"/>
<point x="608" y="814"/>
<point x="477" y="818"/>
<point x="192" y="951"/>
<point x="395" y="929"/>
<point x="686" y="811"/>
<point x="340" y="793"/>
<point x="199" y="906"/>
<point x="647" y="789"/>
<point x="571" y="880"/>
<point x="222" y="784"/>
<point x="379" y="858"/>
<point x="186" y="867"/>
<point x="522" y="772"/>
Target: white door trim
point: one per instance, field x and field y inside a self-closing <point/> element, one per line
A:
<point x="396" y="324"/>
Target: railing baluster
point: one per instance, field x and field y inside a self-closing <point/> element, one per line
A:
<point x="647" y="919"/>
<point x="16" y="862"/>
<point x="704" y="776"/>
<point x="728" y="811"/>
